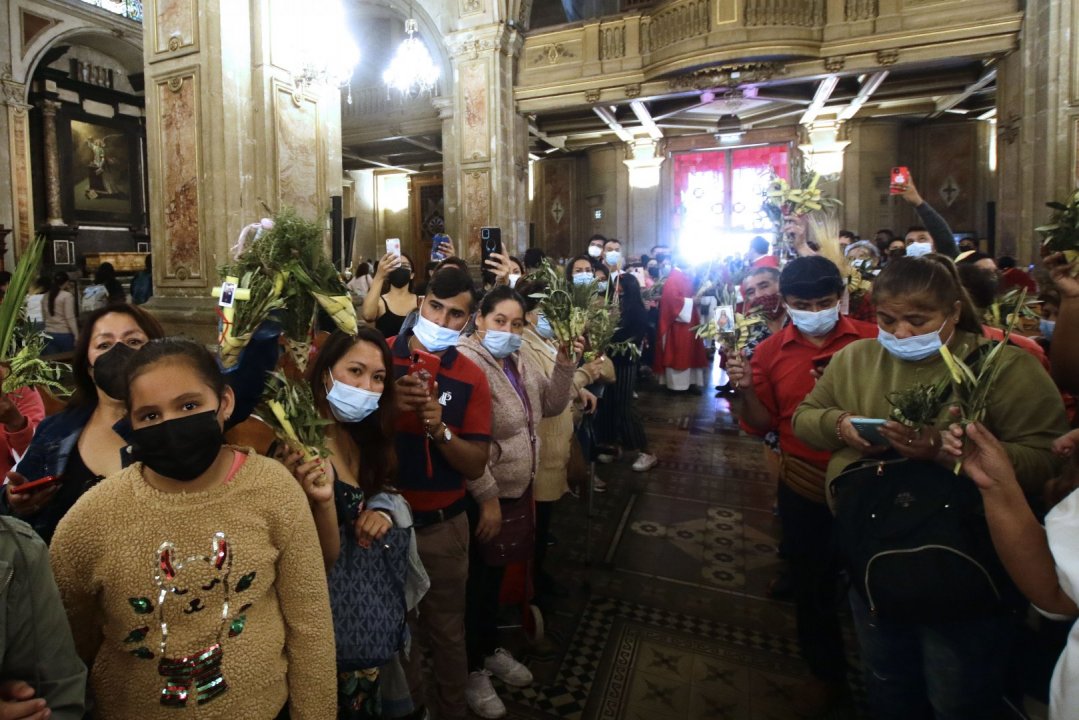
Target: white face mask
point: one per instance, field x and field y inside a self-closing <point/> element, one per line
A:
<point x="351" y="404"/>
<point x="594" y="251"/>
<point x="500" y="343"/>
<point x="917" y="249"/>
<point x="513" y="278"/>
<point x="435" y="338"/>
<point x="814" y="324"/>
<point x="613" y="258"/>
<point x="913" y="348"/>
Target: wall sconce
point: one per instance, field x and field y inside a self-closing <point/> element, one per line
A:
<point x="642" y="163"/>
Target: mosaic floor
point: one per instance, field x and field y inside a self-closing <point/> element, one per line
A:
<point x="667" y="618"/>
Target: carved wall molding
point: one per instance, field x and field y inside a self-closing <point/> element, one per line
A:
<point x="673" y="24"/>
<point x="12" y="92"/>
<point x="855" y="10"/>
<point x="798" y="13"/>
<point x="551" y="54"/>
<point x="633" y="90"/>
<point x="591" y="96"/>
<point x="887" y="57"/>
<point x="835" y="64"/>
<point x="612" y="42"/>
<point x="727" y="76"/>
<point x="1008" y="130"/>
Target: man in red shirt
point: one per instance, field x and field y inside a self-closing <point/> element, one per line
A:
<point x="780" y="375"/>
<point x="443" y="440"/>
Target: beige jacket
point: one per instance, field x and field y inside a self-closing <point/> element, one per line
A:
<point x="555" y="433"/>
<point x="515" y="444"/>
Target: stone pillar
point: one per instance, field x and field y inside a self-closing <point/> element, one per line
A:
<point x="490" y="148"/>
<point x="227" y="134"/>
<point x="18" y="130"/>
<point x="1037" y="125"/>
<point x="53" y="213"/>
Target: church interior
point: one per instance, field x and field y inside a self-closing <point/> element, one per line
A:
<point x="157" y="130"/>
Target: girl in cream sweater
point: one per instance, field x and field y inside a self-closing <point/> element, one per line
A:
<point x="193" y="579"/>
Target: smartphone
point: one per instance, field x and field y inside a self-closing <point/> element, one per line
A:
<point x="639" y="274"/>
<point x="393" y="245"/>
<point x="900" y="176"/>
<point x="869" y="429"/>
<point x="821" y="361"/>
<point x="34" y="485"/>
<point x="437" y="254"/>
<point x="490" y="243"/>
<point x="425" y="366"/>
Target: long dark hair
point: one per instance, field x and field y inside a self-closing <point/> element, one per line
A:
<point x="569" y="266"/>
<point x="58" y="281"/>
<point x="931" y="281"/>
<point x="496" y="295"/>
<point x="85" y="394"/>
<point x="374" y="434"/>
<point x="411" y="268"/>
<point x="196" y="356"/>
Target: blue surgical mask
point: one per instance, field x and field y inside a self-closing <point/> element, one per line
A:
<point x="500" y="343"/>
<point x="917" y="249"/>
<point x="434" y="338"/>
<point x="613" y="257"/>
<point x="583" y="278"/>
<point x="1047" y="327"/>
<point x="351" y="404"/>
<point x="601" y="286"/>
<point x="913" y="348"/>
<point x="543" y="327"/>
<point x="814" y="324"/>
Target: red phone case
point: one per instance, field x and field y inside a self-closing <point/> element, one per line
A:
<point x="425" y="362"/>
<point x="900" y="176"/>
<point x="34" y="485"/>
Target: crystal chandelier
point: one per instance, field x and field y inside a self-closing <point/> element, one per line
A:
<point x="412" y="71"/>
<point x="325" y="51"/>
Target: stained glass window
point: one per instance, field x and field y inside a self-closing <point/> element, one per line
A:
<point x="131" y="9"/>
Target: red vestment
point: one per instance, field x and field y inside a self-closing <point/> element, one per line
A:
<point x="676" y="345"/>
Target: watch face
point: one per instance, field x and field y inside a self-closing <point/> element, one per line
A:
<point x="446" y="434"/>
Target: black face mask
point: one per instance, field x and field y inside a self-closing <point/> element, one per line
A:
<point x="399" y="277"/>
<point x="110" y="368"/>
<point x="181" y="449"/>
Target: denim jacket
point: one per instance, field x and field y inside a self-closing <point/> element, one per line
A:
<point x="54" y="440"/>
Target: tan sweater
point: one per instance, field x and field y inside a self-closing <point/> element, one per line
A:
<point x="63" y="319"/>
<point x="513" y="449"/>
<point x="233" y="574"/>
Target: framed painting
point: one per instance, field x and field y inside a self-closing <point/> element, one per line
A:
<point x="102" y="165"/>
<point x="63" y="252"/>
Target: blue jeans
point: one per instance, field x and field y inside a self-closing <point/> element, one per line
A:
<point x="59" y="343"/>
<point x="946" y="671"/>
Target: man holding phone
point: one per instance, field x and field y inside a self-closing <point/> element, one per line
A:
<point x="933" y="235"/>
<point x="443" y="434"/>
<point x="782" y="372"/>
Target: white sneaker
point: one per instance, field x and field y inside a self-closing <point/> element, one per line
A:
<point x="504" y="667"/>
<point x="644" y="462"/>
<point x="599" y="486"/>
<point x="481" y="696"/>
<point x="606" y="458"/>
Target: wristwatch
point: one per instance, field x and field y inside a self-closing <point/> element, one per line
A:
<point x="444" y="435"/>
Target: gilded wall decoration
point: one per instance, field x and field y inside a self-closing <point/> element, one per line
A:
<point x="476" y="208"/>
<point x="19" y="142"/>
<point x="551" y="54"/>
<point x="296" y="130"/>
<point x="475" y="133"/>
<point x="612" y="42"/>
<point x="726" y="76"/>
<point x="674" y="24"/>
<point x="790" y="13"/>
<point x="887" y="57"/>
<point x="175" y="27"/>
<point x="179" y="161"/>
<point x="471" y="7"/>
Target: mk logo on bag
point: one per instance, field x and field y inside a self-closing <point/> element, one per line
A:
<point x="905" y="499"/>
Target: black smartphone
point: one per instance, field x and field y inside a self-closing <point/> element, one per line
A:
<point x="490" y="243"/>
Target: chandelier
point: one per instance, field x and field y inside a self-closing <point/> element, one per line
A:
<point x="412" y="70"/>
<point x="325" y="53"/>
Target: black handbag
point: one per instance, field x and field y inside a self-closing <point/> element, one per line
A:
<point x="914" y="538"/>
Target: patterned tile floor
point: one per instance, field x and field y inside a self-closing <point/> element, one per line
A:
<point x="667" y="617"/>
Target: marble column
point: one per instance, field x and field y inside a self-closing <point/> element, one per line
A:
<point x="228" y="133"/>
<point x="53" y="213"/>
<point x="1037" y="125"/>
<point x="490" y="148"/>
<point x="18" y="130"/>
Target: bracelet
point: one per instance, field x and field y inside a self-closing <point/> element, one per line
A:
<point x="839" y="424"/>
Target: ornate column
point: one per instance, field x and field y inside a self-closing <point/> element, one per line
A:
<point x="490" y="148"/>
<point x="53" y="213"/>
<point x="227" y="133"/>
<point x="18" y="126"/>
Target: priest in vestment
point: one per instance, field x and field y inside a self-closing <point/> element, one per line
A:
<point x="680" y="356"/>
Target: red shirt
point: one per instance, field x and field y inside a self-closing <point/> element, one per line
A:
<point x="1020" y="341"/>
<point x="781" y="377"/>
<point x="1016" y="278"/>
<point x="766" y="261"/>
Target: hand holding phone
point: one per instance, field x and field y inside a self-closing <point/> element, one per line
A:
<point x="490" y="243"/>
<point x="393" y="246"/>
<point x="441" y="247"/>
<point x="33" y="485"/>
<point x="425" y="366"/>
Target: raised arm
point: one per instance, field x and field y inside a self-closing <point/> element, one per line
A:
<point x="372" y="302"/>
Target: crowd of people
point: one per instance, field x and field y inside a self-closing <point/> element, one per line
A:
<point x="194" y="570"/>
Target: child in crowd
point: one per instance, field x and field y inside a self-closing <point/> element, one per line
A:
<point x="194" y="577"/>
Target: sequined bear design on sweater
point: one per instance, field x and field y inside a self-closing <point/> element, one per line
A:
<point x="194" y="599"/>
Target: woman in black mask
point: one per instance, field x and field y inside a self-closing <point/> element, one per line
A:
<point x="391" y="298"/>
<point x="88" y="440"/>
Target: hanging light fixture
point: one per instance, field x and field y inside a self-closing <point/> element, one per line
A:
<point x="412" y="70"/>
<point x="325" y="53"/>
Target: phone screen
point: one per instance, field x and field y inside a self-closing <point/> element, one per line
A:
<point x="869" y="430"/>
